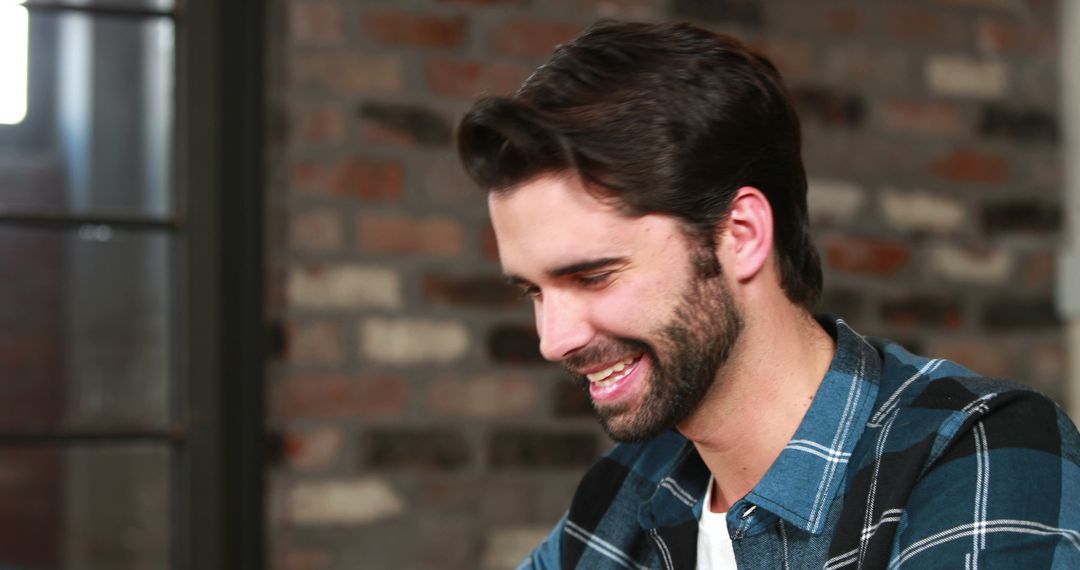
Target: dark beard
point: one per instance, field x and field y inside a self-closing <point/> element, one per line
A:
<point x="695" y="344"/>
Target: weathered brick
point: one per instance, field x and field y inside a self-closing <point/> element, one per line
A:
<point x="315" y="230"/>
<point x="399" y="27"/>
<point x="368" y="178"/>
<point x="828" y="106"/>
<point x="312" y="449"/>
<point x="412" y="341"/>
<point x="806" y="18"/>
<point x="507" y="547"/>
<point x="842" y="302"/>
<point x="962" y="76"/>
<point x="532" y="38"/>
<point x="514" y="344"/>
<point x="1024" y="125"/>
<point x="336" y="395"/>
<point x="435" y="448"/>
<point x="1038" y="270"/>
<point x="534" y="448"/>
<point x="970" y="265"/>
<point x="745" y="12"/>
<point x="472" y="291"/>
<point x="303" y="559"/>
<point x="488" y="396"/>
<point x="922" y="211"/>
<point x="351" y="501"/>
<point x="1013" y="36"/>
<point x="347" y="73"/>
<point x="832" y="201"/>
<point x="937" y="118"/>
<point x="847" y="64"/>
<point x="456" y="78"/>
<point x="316" y="22"/>
<point x="1007" y="314"/>
<point x="446" y="184"/>
<point x="402" y="235"/>
<point x="924" y="311"/>
<point x="410" y="124"/>
<point x="570" y="400"/>
<point x="870" y="256"/>
<point x="982" y="355"/>
<point x="793" y="57"/>
<point x="344" y="287"/>
<point x="619" y="9"/>
<point x="324" y="124"/>
<point x="314" y="342"/>
<point x="1021" y="216"/>
<point x="971" y="165"/>
<point x="924" y="25"/>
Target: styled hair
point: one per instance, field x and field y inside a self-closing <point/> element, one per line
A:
<point x="657" y="118"/>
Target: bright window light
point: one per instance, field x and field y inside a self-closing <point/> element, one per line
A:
<point x="14" y="31"/>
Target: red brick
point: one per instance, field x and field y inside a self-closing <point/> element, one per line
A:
<point x="312" y="449"/>
<point x="372" y="179"/>
<point x="314" y="342"/>
<point x="1001" y="36"/>
<point x="347" y="73"/>
<point x="318" y="230"/>
<point x="982" y="355"/>
<point x="918" y="24"/>
<point x="971" y="165"/>
<point x="794" y="58"/>
<point x="529" y="38"/>
<point x="336" y="395"/>
<point x="483" y="397"/>
<point x="367" y="178"/>
<point x="400" y="235"/>
<point x="399" y="27"/>
<point x="316" y="22"/>
<point x="939" y="118"/>
<point x="871" y="256"/>
<point x="483" y="2"/>
<point x="843" y="19"/>
<point x="324" y="124"/>
<point x="454" y="78"/>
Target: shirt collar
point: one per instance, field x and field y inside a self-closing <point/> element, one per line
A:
<point x="800" y="485"/>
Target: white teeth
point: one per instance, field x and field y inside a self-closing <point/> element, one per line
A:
<point x="613" y="370"/>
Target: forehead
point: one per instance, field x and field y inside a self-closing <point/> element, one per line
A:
<point x="553" y="220"/>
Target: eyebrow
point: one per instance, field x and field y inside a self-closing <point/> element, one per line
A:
<point x="571" y="269"/>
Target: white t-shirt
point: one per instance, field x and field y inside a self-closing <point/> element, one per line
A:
<point x="714" y="549"/>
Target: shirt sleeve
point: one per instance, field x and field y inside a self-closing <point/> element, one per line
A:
<point x="1002" y="492"/>
<point x="546" y="556"/>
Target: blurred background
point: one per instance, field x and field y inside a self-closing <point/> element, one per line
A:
<point x="251" y="312"/>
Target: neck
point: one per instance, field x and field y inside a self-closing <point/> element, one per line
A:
<point x="759" y="399"/>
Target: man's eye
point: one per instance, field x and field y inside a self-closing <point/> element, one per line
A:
<point x="530" y="292"/>
<point x="594" y="278"/>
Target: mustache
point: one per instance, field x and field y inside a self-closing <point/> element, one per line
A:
<point x="604" y="351"/>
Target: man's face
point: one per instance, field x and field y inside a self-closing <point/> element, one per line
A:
<point x="618" y="302"/>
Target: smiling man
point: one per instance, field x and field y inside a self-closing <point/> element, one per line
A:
<point x="647" y="192"/>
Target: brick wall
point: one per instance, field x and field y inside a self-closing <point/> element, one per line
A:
<point x="419" y="427"/>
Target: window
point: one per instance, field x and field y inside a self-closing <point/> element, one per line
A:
<point x="13" y="45"/>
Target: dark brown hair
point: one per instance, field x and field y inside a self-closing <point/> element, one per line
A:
<point x="660" y="118"/>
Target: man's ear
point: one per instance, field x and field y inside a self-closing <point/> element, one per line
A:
<point x="747" y="234"/>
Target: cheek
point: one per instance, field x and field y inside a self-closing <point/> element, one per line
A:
<point x="636" y="309"/>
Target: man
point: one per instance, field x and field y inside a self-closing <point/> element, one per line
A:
<point x="647" y="192"/>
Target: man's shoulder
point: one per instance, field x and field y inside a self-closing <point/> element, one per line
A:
<point x="934" y="398"/>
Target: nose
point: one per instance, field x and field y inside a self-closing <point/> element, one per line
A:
<point x="562" y="325"/>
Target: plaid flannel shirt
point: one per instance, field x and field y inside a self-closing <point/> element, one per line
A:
<point x="901" y="461"/>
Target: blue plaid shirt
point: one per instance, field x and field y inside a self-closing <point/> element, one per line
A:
<point x="901" y="461"/>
